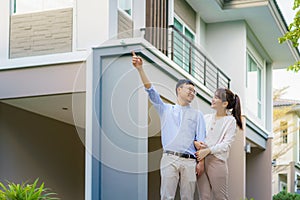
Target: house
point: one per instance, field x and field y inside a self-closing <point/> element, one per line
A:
<point x="286" y="168"/>
<point x="73" y="111"/>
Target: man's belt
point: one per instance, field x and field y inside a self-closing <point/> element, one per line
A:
<point x="182" y="155"/>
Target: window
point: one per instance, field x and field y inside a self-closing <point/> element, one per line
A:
<point x="297" y="183"/>
<point x="182" y="44"/>
<point x="28" y="6"/>
<point x="254" y="87"/>
<point x="298" y="143"/>
<point x="282" y="186"/>
<point x="284" y="131"/>
<point x="126" y="6"/>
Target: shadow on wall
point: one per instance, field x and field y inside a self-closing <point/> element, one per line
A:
<point x="33" y="146"/>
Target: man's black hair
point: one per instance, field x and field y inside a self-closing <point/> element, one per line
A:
<point x="182" y="82"/>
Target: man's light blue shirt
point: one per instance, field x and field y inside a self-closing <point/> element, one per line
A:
<point x="180" y="125"/>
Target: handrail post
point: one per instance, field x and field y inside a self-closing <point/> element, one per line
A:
<point x="190" y="59"/>
<point x="172" y="44"/>
<point x="210" y="70"/>
<point x="217" y="79"/>
<point x="204" y="72"/>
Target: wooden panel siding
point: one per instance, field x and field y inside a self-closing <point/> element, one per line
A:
<point x="186" y="13"/>
<point x="41" y="33"/>
<point x="157" y="23"/>
<point x="125" y="25"/>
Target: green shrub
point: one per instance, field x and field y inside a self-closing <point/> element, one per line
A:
<point x="25" y="191"/>
<point x="283" y="195"/>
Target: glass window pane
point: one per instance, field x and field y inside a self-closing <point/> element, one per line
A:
<point x="126" y="5"/>
<point x="254" y="86"/>
<point x="178" y="25"/>
<point x="259" y="84"/>
<point x="27" y="6"/>
<point x="189" y="34"/>
<point x="182" y="47"/>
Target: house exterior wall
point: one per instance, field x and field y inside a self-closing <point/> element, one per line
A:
<point x="125" y="25"/>
<point x="237" y="166"/>
<point x="4" y="34"/>
<point x="285" y="154"/>
<point x="43" y="80"/>
<point x="123" y="130"/>
<point x="186" y="13"/>
<point x="104" y="13"/>
<point x="228" y="40"/>
<point x="120" y="130"/>
<point x="258" y="173"/>
<point x="94" y="22"/>
<point x="279" y="145"/>
<point x="41" y="33"/>
<point x="33" y="146"/>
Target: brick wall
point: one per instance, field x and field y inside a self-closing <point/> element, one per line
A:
<point x="125" y="26"/>
<point x="41" y="33"/>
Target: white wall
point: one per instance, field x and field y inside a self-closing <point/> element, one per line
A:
<point x="226" y="43"/>
<point x="43" y="80"/>
<point x="93" y="27"/>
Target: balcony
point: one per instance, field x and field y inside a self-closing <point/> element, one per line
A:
<point x="187" y="55"/>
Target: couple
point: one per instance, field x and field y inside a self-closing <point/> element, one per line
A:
<point x="186" y="139"/>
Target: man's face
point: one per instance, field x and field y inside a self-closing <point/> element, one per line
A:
<point x="186" y="92"/>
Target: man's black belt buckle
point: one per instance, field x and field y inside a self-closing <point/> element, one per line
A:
<point x="182" y="155"/>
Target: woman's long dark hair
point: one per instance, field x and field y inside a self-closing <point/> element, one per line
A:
<point x="234" y="103"/>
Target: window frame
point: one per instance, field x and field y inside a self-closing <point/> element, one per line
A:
<point x="261" y="64"/>
<point x="123" y="11"/>
<point x="13" y="8"/>
<point x="185" y="28"/>
<point x="298" y="141"/>
<point x="282" y="186"/>
<point x="284" y="132"/>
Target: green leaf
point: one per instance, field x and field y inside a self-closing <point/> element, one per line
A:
<point x="26" y="191"/>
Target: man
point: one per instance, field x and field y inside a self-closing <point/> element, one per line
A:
<point x="180" y="127"/>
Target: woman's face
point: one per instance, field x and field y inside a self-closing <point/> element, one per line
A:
<point x="217" y="102"/>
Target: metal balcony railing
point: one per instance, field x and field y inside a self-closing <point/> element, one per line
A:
<point x="185" y="53"/>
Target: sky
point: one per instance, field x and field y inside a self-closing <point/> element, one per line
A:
<point x="282" y="77"/>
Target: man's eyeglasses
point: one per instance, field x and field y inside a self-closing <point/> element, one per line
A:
<point x="190" y="90"/>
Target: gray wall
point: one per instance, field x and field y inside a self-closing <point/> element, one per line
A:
<point x="33" y="146"/>
<point x="123" y="146"/>
<point x="227" y="43"/>
<point x="41" y="33"/>
<point x="258" y="173"/>
<point x="124" y="127"/>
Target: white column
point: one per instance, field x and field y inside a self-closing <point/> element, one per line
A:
<point x="4" y="33"/>
<point x="138" y="15"/>
<point x="92" y="17"/>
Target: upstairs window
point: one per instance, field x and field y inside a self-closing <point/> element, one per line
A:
<point x="126" y="6"/>
<point x="29" y="6"/>
<point x="284" y="131"/>
<point x="254" y="87"/>
<point x="182" y="44"/>
<point x="298" y="144"/>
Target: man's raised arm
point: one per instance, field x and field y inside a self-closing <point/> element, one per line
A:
<point x="138" y="64"/>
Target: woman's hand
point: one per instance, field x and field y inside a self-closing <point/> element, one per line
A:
<point x="200" y="145"/>
<point x="200" y="168"/>
<point x="202" y="153"/>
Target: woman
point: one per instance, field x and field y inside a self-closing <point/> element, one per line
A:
<point x="221" y="128"/>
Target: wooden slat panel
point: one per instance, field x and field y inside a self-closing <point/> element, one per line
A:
<point x="157" y="23"/>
